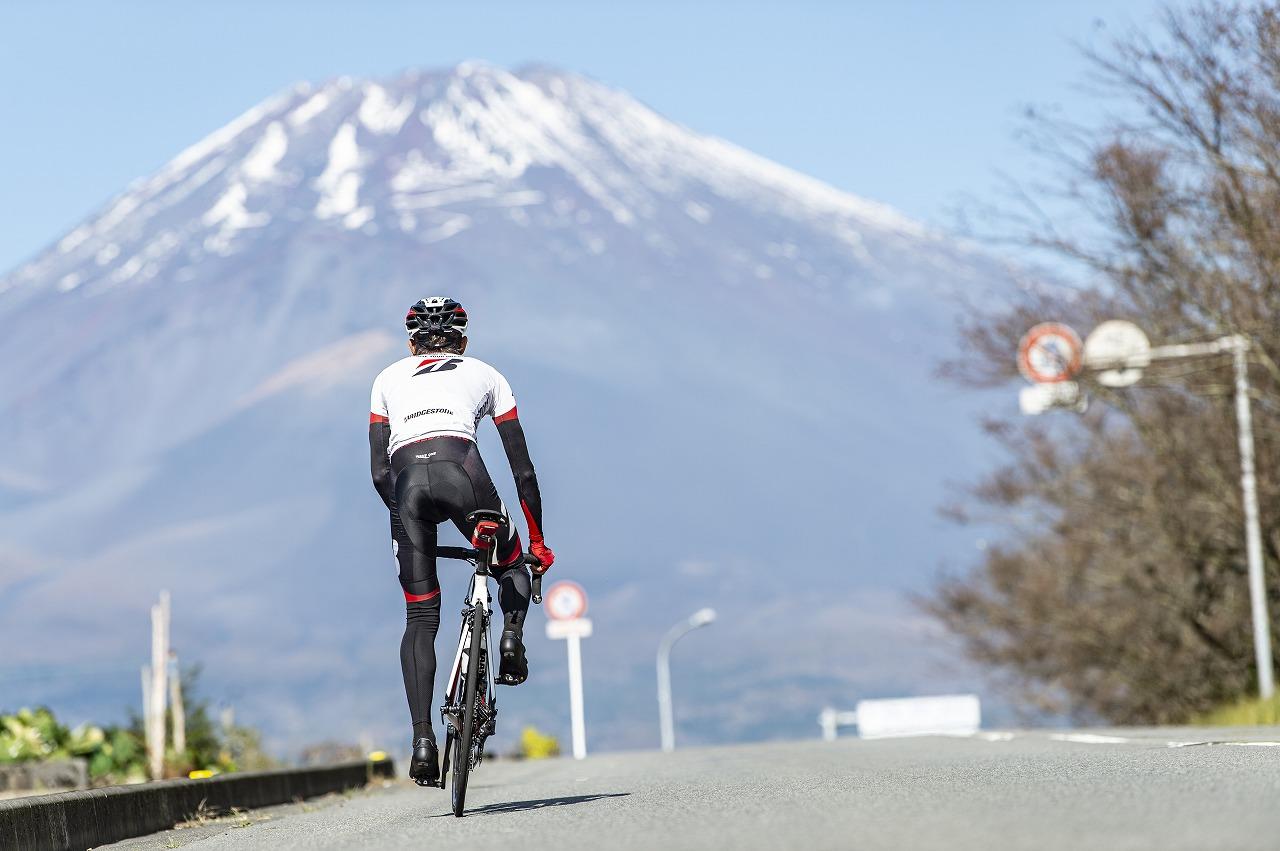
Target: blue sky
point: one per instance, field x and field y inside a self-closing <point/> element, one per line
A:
<point x="911" y="103"/>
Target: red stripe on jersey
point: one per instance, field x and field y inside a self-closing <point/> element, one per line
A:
<point x="535" y="534"/>
<point x="376" y="418"/>
<point x="507" y="417"/>
<point x="430" y="360"/>
<point x="418" y="598"/>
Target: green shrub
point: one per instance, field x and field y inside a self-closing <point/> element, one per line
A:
<point x="1250" y="712"/>
<point x="119" y="754"/>
<point x="33" y="734"/>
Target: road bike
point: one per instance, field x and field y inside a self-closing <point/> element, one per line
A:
<point x="470" y="710"/>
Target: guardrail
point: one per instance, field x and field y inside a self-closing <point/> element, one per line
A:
<point x="943" y="715"/>
<point x="74" y="821"/>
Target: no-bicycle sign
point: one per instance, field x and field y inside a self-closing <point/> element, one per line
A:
<point x="1049" y="353"/>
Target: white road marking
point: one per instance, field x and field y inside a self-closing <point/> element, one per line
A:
<point x="1090" y="739"/>
<point x="1233" y="744"/>
<point x="1096" y="739"/>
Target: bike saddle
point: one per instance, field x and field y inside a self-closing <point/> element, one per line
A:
<point x="488" y="525"/>
<point x="481" y="515"/>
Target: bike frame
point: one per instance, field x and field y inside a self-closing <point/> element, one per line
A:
<point x="479" y="607"/>
<point x="476" y="615"/>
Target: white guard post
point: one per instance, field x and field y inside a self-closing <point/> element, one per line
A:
<point x="833" y="719"/>
<point x="566" y="602"/>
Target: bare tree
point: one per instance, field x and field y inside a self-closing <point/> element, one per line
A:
<point x="1119" y="590"/>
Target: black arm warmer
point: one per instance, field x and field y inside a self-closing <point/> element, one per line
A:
<point x="512" y="434"/>
<point x="379" y="463"/>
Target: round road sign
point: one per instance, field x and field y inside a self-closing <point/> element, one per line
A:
<point x="1049" y="353"/>
<point x="1120" y="350"/>
<point x="565" y="601"/>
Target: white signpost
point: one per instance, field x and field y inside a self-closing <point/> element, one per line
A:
<point x="1116" y="353"/>
<point x="565" y="604"/>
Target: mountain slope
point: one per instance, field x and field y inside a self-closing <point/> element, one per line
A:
<point x="724" y="367"/>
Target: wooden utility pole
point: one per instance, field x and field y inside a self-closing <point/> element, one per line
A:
<point x="159" y="686"/>
<point x="146" y="707"/>
<point x="175" y="707"/>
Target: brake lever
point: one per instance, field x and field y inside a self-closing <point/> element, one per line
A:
<point x="537" y="588"/>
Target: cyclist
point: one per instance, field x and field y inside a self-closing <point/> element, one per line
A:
<point x="424" y="411"/>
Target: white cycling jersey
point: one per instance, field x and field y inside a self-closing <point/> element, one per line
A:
<point x="437" y="395"/>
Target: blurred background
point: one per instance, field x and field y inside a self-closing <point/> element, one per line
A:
<point x="757" y="273"/>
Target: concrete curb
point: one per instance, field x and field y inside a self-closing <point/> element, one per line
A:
<point x="74" y="821"/>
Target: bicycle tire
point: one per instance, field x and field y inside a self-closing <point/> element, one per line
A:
<point x="462" y="743"/>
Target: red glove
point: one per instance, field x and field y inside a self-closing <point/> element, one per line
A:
<point x="542" y="553"/>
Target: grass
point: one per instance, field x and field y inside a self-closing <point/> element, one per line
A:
<point x="205" y="814"/>
<point x="202" y="816"/>
<point x="1249" y="712"/>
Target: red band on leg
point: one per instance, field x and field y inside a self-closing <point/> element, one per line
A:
<point x="515" y="553"/>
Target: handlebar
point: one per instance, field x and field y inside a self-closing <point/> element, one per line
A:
<point x="474" y="555"/>
<point x="469" y="554"/>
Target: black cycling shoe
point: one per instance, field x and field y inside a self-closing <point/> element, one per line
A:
<point x="424" y="768"/>
<point x="513" y="669"/>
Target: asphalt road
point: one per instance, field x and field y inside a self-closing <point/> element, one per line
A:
<point x="1106" y="789"/>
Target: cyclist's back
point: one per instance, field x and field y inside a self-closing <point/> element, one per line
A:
<point x="439" y="394"/>
<point x="424" y="411"/>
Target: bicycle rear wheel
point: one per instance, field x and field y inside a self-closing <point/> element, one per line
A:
<point x="462" y="742"/>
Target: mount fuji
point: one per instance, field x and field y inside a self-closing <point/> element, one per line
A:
<point x="725" y="370"/>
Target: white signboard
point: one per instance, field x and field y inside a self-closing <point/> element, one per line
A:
<point x="576" y="628"/>
<point x="1039" y="398"/>
<point x="948" y="715"/>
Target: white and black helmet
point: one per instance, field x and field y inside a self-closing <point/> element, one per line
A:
<point x="436" y="315"/>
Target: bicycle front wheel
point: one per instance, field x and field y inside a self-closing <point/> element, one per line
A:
<point x="462" y="742"/>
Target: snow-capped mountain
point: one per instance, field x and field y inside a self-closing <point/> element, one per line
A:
<point x="724" y="368"/>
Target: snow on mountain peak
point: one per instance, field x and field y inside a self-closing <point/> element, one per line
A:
<point x="418" y="154"/>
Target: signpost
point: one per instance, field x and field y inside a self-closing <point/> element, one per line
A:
<point x="1117" y="352"/>
<point x="565" y="604"/>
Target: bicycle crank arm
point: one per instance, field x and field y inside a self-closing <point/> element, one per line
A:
<point x="444" y="769"/>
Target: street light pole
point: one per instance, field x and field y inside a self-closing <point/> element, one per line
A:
<point x="1252" y="528"/>
<point x="700" y="618"/>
